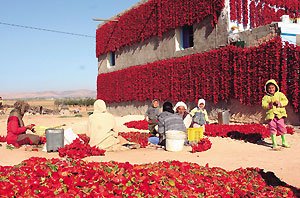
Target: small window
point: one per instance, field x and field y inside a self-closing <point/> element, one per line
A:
<point x="111" y="59"/>
<point x="184" y="37"/>
<point x="188" y="37"/>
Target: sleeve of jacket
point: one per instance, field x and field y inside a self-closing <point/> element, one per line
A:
<point x="161" y="127"/>
<point x="265" y="102"/>
<point x="283" y="100"/>
<point x="192" y="113"/>
<point x="14" y="126"/>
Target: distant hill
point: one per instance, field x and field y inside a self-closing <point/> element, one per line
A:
<point x="80" y="93"/>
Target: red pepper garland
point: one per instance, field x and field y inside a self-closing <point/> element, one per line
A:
<point x="233" y="10"/>
<point x="283" y="85"/>
<point x="243" y="75"/>
<point x="293" y="52"/>
<point x="252" y="14"/>
<point x="262" y="12"/>
<point x="156" y="17"/>
<point x="245" y="12"/>
<point x="153" y="18"/>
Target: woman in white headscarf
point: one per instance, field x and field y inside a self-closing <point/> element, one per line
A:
<point x="181" y="109"/>
<point x="101" y="131"/>
<point x="100" y="127"/>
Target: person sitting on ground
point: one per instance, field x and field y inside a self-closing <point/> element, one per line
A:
<point x="151" y="116"/>
<point x="168" y="121"/>
<point x="101" y="125"/>
<point x="16" y="130"/>
<point x="199" y="115"/>
<point x="181" y="109"/>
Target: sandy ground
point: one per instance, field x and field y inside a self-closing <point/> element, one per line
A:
<point x="226" y="153"/>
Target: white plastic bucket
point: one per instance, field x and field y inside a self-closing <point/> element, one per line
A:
<point x="285" y="18"/>
<point x="175" y="140"/>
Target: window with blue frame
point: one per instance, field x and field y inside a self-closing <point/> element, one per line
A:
<point x="187" y="37"/>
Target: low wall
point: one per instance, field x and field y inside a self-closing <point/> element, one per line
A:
<point x="239" y="113"/>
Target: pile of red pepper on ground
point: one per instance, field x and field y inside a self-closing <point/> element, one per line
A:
<point x="252" y="132"/>
<point x="139" y="124"/>
<point x="2" y="138"/>
<point x="137" y="137"/>
<point x="84" y="137"/>
<point x="203" y="145"/>
<point x="215" y="130"/>
<point x="79" y="149"/>
<point x="39" y="177"/>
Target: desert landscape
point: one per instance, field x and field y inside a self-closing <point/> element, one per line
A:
<point x="226" y="153"/>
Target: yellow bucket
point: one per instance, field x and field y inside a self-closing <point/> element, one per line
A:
<point x="195" y="134"/>
<point x="40" y="130"/>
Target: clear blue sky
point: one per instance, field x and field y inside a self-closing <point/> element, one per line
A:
<point x="33" y="60"/>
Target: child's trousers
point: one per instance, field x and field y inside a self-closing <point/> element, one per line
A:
<point x="277" y="126"/>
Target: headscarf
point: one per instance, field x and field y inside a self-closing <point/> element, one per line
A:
<point x="201" y="101"/>
<point x="99" y="106"/>
<point x="167" y="106"/>
<point x="20" y="108"/>
<point x="180" y="104"/>
<point x="271" y="81"/>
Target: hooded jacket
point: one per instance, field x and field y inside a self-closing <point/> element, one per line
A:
<point x="196" y="111"/>
<point x="100" y="127"/>
<point x="269" y="99"/>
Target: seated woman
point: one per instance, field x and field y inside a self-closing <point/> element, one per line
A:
<point x="101" y="126"/>
<point x="181" y="109"/>
<point x="16" y="131"/>
<point x="168" y="121"/>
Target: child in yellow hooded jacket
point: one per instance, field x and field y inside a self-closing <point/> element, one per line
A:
<point x="274" y="102"/>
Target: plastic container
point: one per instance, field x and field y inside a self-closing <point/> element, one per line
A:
<point x="55" y="139"/>
<point x="175" y="140"/>
<point x="195" y="134"/>
<point x="285" y="18"/>
<point x="223" y="117"/>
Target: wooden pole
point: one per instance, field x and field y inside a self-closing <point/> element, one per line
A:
<point x="98" y="19"/>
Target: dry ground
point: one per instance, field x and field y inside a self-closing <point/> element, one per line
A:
<point x="226" y="153"/>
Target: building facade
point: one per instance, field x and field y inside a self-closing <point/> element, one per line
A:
<point x="180" y="50"/>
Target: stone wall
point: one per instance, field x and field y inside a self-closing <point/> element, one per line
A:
<point x="259" y="35"/>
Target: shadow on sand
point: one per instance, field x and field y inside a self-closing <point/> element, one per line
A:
<point x="254" y="138"/>
<point x="272" y="180"/>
